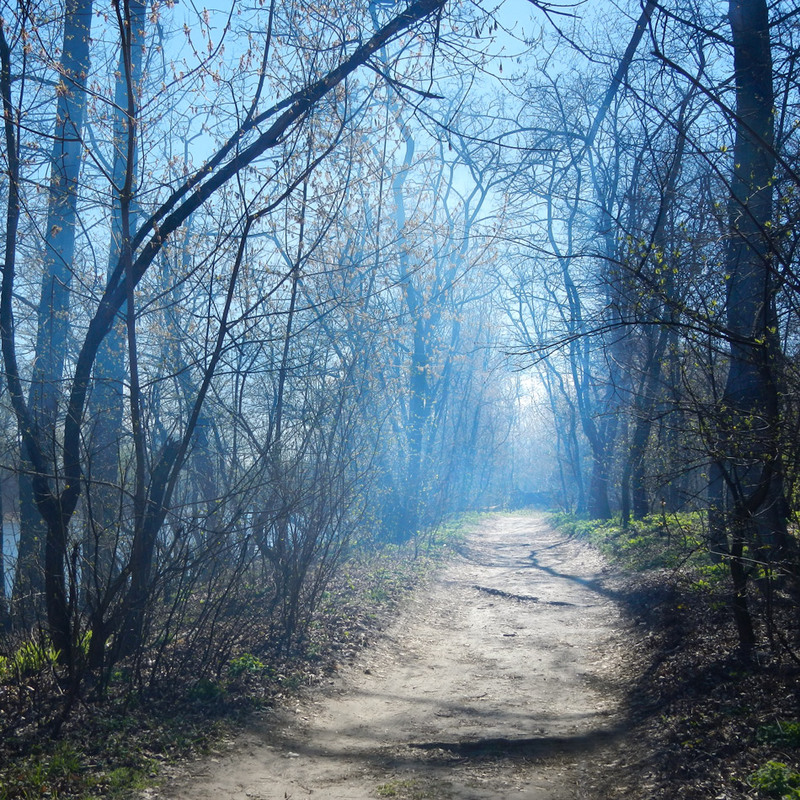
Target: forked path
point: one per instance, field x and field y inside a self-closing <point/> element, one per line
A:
<point x="499" y="679"/>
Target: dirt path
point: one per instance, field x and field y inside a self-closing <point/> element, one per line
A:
<point x="499" y="680"/>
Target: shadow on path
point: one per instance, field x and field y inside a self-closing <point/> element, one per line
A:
<point x="529" y="748"/>
<point x="447" y="753"/>
<point x="593" y="584"/>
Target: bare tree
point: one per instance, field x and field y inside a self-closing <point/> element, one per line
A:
<point x="59" y="484"/>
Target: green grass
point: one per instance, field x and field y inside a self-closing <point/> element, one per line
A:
<point x="656" y="542"/>
<point x="118" y="753"/>
<point x="451" y="531"/>
<point x="47" y="773"/>
<point x="406" y="789"/>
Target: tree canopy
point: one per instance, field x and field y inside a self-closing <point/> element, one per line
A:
<point x="282" y="280"/>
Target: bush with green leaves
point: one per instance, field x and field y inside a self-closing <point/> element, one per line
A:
<point x="785" y="733"/>
<point x="245" y="664"/>
<point x="775" y="779"/>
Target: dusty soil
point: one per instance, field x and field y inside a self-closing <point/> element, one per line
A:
<point x="503" y="677"/>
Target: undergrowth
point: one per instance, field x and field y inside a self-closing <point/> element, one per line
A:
<point x="671" y="541"/>
<point x="705" y="721"/>
<point x="112" y="747"/>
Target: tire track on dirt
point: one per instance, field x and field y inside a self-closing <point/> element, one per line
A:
<point x="500" y="679"/>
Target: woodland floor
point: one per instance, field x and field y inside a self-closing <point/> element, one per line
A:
<point x="503" y="677"/>
<point x="523" y="666"/>
<point x="528" y="668"/>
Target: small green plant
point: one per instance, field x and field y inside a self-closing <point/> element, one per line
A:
<point x="314" y="651"/>
<point x="711" y="577"/>
<point x="245" y="664"/>
<point x="291" y="682"/>
<point x="783" y="732"/>
<point x="776" y="780"/>
<point x="378" y="594"/>
<point x="387" y="789"/>
<point x="30" y="658"/>
<point x="64" y="762"/>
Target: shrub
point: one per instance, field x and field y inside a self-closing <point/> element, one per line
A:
<point x="30" y="658"/>
<point x="246" y="663"/>
<point x="776" y="780"/>
<point x="783" y="732"/>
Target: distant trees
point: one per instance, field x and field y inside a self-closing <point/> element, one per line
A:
<point x="241" y="318"/>
<point x="654" y="298"/>
<point x="114" y="402"/>
<point x="252" y="283"/>
<point x="59" y="234"/>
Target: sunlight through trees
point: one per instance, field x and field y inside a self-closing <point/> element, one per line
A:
<point x="281" y="281"/>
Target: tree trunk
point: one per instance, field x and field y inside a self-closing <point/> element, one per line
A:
<point x="598" y="505"/>
<point x="750" y="413"/>
<point x="751" y="397"/>
<point x="108" y="501"/>
<point x="53" y="310"/>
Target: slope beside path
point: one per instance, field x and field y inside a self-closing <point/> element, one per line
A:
<point x="499" y="679"/>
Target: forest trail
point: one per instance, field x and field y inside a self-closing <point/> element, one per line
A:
<point x="499" y="679"/>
